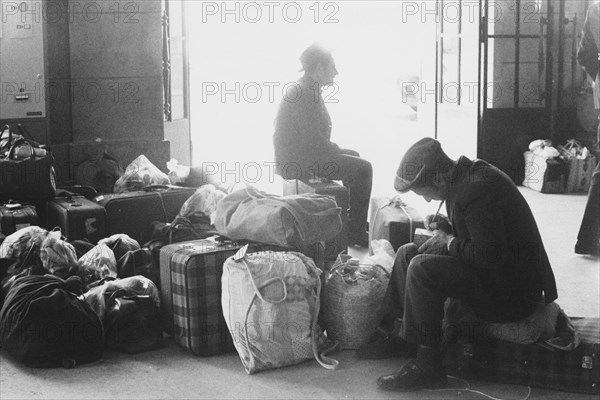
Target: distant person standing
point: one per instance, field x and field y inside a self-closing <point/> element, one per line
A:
<point x="588" y="55"/>
<point x="303" y="146"/>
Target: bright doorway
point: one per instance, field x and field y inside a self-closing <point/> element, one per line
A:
<point x="243" y="54"/>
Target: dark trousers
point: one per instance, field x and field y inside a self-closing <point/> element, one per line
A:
<point x="589" y="231"/>
<point x="357" y="175"/>
<point x="418" y="288"/>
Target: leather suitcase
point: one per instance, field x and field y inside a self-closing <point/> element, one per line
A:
<point x="534" y="365"/>
<point x="77" y="217"/>
<point x="132" y="213"/>
<point x="393" y="220"/>
<point x="14" y="216"/>
<point x="190" y="281"/>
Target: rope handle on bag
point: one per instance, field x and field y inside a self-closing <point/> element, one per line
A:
<point x="260" y="296"/>
<point x="321" y="358"/>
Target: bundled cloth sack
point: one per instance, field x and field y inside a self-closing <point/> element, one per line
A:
<point x="120" y="244"/>
<point x="140" y="173"/>
<point x="581" y="164"/>
<point x="303" y="219"/>
<point x="100" y="262"/>
<point x="353" y="296"/>
<point x="270" y="303"/>
<point x="44" y="324"/>
<point x="139" y="262"/>
<point x="130" y="311"/>
<point x="58" y="256"/>
<point x="204" y="200"/>
<point x="545" y="171"/>
<point x="17" y="244"/>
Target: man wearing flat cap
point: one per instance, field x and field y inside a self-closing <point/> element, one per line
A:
<point x="487" y="254"/>
<point x="303" y="146"/>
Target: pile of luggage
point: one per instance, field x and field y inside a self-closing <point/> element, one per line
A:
<point x="219" y="272"/>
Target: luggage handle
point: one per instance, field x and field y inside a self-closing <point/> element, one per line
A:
<point x="322" y="358"/>
<point x="21" y="141"/>
<point x="257" y="292"/>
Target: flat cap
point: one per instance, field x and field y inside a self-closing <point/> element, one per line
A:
<point x="420" y="158"/>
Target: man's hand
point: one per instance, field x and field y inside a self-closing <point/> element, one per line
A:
<point x="438" y="244"/>
<point x="440" y="222"/>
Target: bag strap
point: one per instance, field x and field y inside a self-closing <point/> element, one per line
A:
<point x="19" y="142"/>
<point x="272" y="200"/>
<point x="322" y="357"/>
<point x="25" y="133"/>
<point x="258" y="294"/>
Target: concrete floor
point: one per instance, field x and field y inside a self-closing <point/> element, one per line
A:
<point x="172" y="373"/>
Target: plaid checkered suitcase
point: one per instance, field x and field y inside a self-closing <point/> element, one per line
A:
<point x="190" y="281"/>
<point x="535" y="365"/>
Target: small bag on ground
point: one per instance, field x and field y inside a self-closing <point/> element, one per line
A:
<point x="130" y="312"/>
<point x="352" y="301"/>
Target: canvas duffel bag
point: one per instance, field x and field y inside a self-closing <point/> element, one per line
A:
<point x="303" y="219"/>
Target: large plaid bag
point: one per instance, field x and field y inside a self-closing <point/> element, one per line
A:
<point x="190" y="281"/>
<point x="536" y="365"/>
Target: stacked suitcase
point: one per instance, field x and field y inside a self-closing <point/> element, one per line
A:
<point x="535" y="365"/>
<point x="77" y="217"/>
<point x="132" y="213"/>
<point x="393" y="220"/>
<point x="14" y="216"/>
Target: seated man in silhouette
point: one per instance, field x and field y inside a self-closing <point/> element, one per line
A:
<point x="303" y="146"/>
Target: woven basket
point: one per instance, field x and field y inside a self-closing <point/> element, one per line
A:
<point x="352" y="311"/>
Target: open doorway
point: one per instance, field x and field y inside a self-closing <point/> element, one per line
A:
<point x="389" y="55"/>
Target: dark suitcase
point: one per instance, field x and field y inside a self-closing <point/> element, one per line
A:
<point x="393" y="220"/>
<point x="535" y="365"/>
<point x="190" y="281"/>
<point x="77" y="217"/>
<point x="14" y="216"/>
<point x="338" y="244"/>
<point x="79" y="190"/>
<point x="132" y="213"/>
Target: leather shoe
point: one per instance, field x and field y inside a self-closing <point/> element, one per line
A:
<point x="582" y="248"/>
<point x="386" y="346"/>
<point x="412" y="377"/>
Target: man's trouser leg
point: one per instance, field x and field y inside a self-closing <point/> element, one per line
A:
<point x="393" y="301"/>
<point x="589" y="231"/>
<point x="357" y="175"/>
<point x="419" y="286"/>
